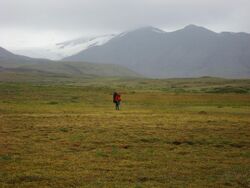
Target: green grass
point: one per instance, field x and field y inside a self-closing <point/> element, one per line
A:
<point x="169" y="133"/>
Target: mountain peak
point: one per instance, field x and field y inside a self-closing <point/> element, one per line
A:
<point x="193" y="27"/>
<point x="150" y="29"/>
<point x="147" y="30"/>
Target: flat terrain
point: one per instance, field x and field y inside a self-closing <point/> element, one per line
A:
<point x="169" y="133"/>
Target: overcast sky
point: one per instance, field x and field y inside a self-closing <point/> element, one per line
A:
<point x="28" y="23"/>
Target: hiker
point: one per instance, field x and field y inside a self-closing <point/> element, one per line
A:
<point x="117" y="100"/>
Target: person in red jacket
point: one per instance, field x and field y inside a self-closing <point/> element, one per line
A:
<point x="117" y="100"/>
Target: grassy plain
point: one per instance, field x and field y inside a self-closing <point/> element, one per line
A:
<point x="169" y="133"/>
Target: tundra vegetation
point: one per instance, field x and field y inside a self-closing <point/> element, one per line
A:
<point x="64" y="132"/>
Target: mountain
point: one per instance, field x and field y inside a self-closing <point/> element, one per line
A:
<point x="4" y="53"/>
<point x="63" y="49"/>
<point x="15" y="63"/>
<point x="193" y="51"/>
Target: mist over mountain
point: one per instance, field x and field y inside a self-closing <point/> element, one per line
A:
<point x="189" y="52"/>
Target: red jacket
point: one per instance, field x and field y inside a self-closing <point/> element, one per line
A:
<point x="118" y="98"/>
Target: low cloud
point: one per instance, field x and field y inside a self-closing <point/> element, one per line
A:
<point x="86" y="17"/>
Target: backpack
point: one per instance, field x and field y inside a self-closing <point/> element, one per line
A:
<point x="114" y="97"/>
<point x="118" y="97"/>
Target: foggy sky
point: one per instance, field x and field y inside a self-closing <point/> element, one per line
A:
<point x="25" y="23"/>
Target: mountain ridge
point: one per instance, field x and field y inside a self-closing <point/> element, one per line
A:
<point x="189" y="52"/>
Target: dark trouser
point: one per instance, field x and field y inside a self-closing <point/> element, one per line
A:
<point x="117" y="105"/>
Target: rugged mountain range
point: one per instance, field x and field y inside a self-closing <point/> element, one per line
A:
<point x="189" y="52"/>
<point x="10" y="62"/>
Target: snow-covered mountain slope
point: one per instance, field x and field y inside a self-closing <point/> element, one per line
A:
<point x="77" y="45"/>
<point x="64" y="49"/>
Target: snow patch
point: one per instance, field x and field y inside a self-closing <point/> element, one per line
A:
<point x="64" y="49"/>
<point x="69" y="48"/>
<point x="122" y="34"/>
<point x="158" y="30"/>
